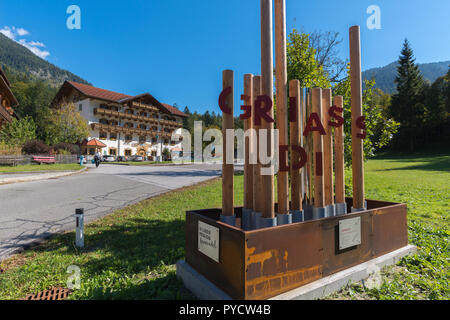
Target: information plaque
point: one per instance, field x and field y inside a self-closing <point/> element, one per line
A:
<point x="208" y="240"/>
<point x="349" y="233"/>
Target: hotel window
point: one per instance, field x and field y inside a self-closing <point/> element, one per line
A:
<point x="113" y="136"/>
<point x="154" y="140"/>
<point x="128" y="138"/>
<point x="103" y="136"/>
<point x="129" y="125"/>
<point x="144" y="114"/>
<point x="104" y="121"/>
<point x="142" y="139"/>
<point x="143" y="126"/>
<point x="166" y="141"/>
<point x="128" y="152"/>
<point x="112" y="152"/>
<point x="114" y="123"/>
<point x="129" y="111"/>
<point x="80" y="107"/>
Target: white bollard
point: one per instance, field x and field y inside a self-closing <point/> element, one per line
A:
<point x="79" y="214"/>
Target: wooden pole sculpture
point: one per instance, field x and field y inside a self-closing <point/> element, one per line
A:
<point x="319" y="194"/>
<point x="309" y="166"/>
<point x="257" y="180"/>
<point x="248" y="143"/>
<point x="328" y="153"/>
<point x="268" y="213"/>
<point x="228" y="168"/>
<point x="296" y="131"/>
<point x="283" y="216"/>
<point x="356" y="106"/>
<point x="341" y="205"/>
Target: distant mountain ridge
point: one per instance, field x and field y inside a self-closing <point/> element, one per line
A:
<point x="385" y="76"/>
<point x="19" y="60"/>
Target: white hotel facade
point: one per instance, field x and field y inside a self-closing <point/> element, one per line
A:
<point x="126" y="125"/>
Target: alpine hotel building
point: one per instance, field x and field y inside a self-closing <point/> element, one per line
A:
<point x="7" y="100"/>
<point x="125" y="125"/>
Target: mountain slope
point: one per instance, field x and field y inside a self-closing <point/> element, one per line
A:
<point x="19" y="60"/>
<point x="385" y="76"/>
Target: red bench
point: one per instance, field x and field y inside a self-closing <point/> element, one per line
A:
<point x="41" y="160"/>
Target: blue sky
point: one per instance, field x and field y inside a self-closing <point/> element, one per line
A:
<point x="177" y="49"/>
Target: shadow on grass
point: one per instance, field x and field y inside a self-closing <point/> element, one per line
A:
<point x="128" y="261"/>
<point x="426" y="163"/>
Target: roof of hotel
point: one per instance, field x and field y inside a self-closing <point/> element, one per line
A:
<point x="111" y="96"/>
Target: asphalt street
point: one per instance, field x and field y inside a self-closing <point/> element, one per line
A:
<point x="31" y="211"/>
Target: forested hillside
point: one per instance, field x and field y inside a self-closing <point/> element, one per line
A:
<point x="18" y="60"/>
<point x="385" y="76"/>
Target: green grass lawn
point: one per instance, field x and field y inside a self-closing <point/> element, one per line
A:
<point x="42" y="167"/>
<point x="131" y="254"/>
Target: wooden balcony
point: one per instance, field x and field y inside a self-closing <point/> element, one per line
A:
<point x="119" y="129"/>
<point x="144" y="106"/>
<point x="123" y="115"/>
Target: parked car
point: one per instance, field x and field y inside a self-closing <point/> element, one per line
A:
<point x="108" y="158"/>
<point x="122" y="159"/>
<point x="137" y="158"/>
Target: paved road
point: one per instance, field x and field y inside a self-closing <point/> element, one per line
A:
<point x="30" y="211"/>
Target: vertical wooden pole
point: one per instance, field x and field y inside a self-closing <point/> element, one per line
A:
<point x="257" y="187"/>
<point x="228" y="169"/>
<point x="339" y="155"/>
<point x="267" y="90"/>
<point x="281" y="84"/>
<point x="319" y="195"/>
<point x="356" y="107"/>
<point x="248" y="143"/>
<point x="310" y="151"/>
<point x="328" y="147"/>
<point x="295" y="139"/>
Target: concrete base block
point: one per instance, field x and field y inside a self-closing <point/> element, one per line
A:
<point x="246" y="219"/>
<point x="266" y="223"/>
<point x="203" y="289"/>
<point x="298" y="216"/>
<point x="330" y="211"/>
<point x="341" y="209"/>
<point x="319" y="213"/>
<point x="308" y="212"/>
<point x="284" y="219"/>
<point x="231" y="220"/>
<point x="256" y="216"/>
<point x="360" y="209"/>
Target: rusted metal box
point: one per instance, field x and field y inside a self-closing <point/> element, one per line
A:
<point x="264" y="263"/>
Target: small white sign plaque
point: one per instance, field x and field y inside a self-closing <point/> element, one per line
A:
<point x="208" y="240"/>
<point x="349" y="233"/>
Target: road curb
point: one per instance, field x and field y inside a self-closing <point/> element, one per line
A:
<point x="41" y="176"/>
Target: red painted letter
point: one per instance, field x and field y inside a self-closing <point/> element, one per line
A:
<point x="318" y="164"/>
<point x="309" y="125"/>
<point x="223" y="100"/>
<point x="262" y="112"/>
<point x="333" y="114"/>
<point x="283" y="163"/>
<point x="303" y="157"/>
<point x="361" y="124"/>
<point x="248" y="109"/>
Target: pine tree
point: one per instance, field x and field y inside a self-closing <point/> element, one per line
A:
<point x="407" y="107"/>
